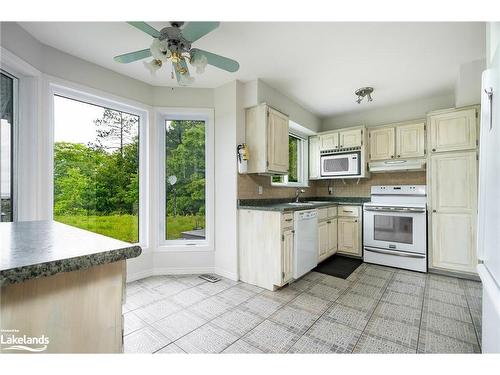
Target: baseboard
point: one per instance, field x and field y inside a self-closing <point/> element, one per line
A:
<point x="180" y="271"/>
<point x="460" y="275"/>
<point x="229" y="275"/>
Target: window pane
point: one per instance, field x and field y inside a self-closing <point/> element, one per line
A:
<point x="293" y="157"/>
<point x="6" y="142"/>
<point x="185" y="180"/>
<point x="96" y="169"/>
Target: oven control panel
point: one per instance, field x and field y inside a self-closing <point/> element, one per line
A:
<point x="398" y="190"/>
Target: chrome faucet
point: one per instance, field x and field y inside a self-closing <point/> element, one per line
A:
<point x="297" y="194"/>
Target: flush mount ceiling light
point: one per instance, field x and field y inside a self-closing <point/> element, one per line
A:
<point x="174" y="43"/>
<point x="362" y="92"/>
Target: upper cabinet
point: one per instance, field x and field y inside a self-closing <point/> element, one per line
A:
<point x="453" y="131"/>
<point x="267" y="140"/>
<point x="410" y="140"/>
<point x="314" y="155"/>
<point x="397" y="141"/>
<point x="381" y="143"/>
<point x="329" y="141"/>
<point x="350" y="138"/>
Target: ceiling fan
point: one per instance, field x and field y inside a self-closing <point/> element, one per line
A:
<point x="174" y="43"/>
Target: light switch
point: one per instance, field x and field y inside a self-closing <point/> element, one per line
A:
<point x="260" y="190"/>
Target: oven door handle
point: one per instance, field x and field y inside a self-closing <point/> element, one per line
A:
<point x="403" y="209"/>
<point x="405" y="255"/>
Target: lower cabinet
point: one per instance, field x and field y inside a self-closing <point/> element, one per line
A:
<point x="327" y="233"/>
<point x="287" y="239"/>
<point x="349" y="230"/>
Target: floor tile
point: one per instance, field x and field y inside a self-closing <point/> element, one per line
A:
<point x="271" y="337"/>
<point x="235" y="295"/>
<point x="371" y="344"/>
<point x="301" y="285"/>
<point x="336" y="282"/>
<point x="445" y="286"/>
<point x="157" y="310"/>
<point x="214" y="288"/>
<point x="171" y="349"/>
<point x="237" y="321"/>
<point x="170" y="287"/>
<point x="325" y="292"/>
<point x="431" y="342"/>
<point x="133" y="288"/>
<point x="283" y="295"/>
<point x="400" y="313"/>
<point x="310" y="303"/>
<point x="448" y="327"/>
<point x="145" y="340"/>
<point x="252" y="288"/>
<point x="347" y="315"/>
<point x="131" y="323"/>
<point x="397" y="298"/>
<point x="179" y="324"/>
<point x="206" y="339"/>
<point x="367" y="290"/>
<point x="241" y="347"/>
<point x="154" y="281"/>
<point x="188" y="297"/>
<point x="373" y="280"/>
<point x="261" y="305"/>
<point x="357" y="301"/>
<point x="433" y="307"/>
<point x="294" y="318"/>
<point x="339" y="337"/>
<point x="474" y="302"/>
<point x="311" y="345"/>
<point x="400" y="333"/>
<point x="409" y="277"/>
<point x="210" y="308"/>
<point x="442" y="278"/>
<point x="402" y="287"/>
<point x="381" y="272"/>
<point x="446" y="297"/>
<point x="315" y="277"/>
<point x="141" y="299"/>
<point x="190" y="280"/>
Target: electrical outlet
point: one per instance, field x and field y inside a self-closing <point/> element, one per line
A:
<point x="260" y="190"/>
<point x="330" y="190"/>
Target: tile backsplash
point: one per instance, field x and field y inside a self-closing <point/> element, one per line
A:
<point x="248" y="185"/>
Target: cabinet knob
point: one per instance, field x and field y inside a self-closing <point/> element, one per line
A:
<point x="433" y="210"/>
<point x="355" y="221"/>
<point x="341" y="146"/>
<point x="433" y="150"/>
<point x="392" y="156"/>
<point x="399" y="156"/>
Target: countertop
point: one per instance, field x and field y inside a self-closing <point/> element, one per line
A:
<point x="32" y="249"/>
<point x="284" y="204"/>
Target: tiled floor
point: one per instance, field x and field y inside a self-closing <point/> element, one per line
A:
<point x="376" y="310"/>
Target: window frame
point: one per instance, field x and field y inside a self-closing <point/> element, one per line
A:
<point x="302" y="164"/>
<point x="106" y="101"/>
<point x="202" y="114"/>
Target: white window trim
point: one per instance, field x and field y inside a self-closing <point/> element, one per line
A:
<point x="207" y="115"/>
<point x="303" y="160"/>
<point x="73" y="91"/>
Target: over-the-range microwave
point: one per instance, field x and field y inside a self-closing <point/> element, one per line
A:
<point x="340" y="164"/>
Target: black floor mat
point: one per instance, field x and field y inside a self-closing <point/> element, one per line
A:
<point x="338" y="266"/>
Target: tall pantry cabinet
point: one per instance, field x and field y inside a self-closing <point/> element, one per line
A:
<point x="452" y="188"/>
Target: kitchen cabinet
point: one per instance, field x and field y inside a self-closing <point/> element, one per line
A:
<point x="453" y="182"/>
<point x="314" y="158"/>
<point x="267" y="140"/>
<point x="381" y="143"/>
<point x="349" y="230"/>
<point x="410" y="140"/>
<point x="265" y="247"/>
<point x="329" y="141"/>
<point x="453" y="130"/>
<point x="327" y="232"/>
<point x="351" y="138"/>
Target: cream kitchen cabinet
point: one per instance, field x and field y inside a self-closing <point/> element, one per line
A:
<point x="265" y="247"/>
<point x="329" y="141"/>
<point x="381" y="143"/>
<point x="453" y="182"/>
<point x="314" y="158"/>
<point x="453" y="130"/>
<point x="351" y="138"/>
<point x="327" y="232"/>
<point x="410" y="140"/>
<point x="267" y="140"/>
<point x="349" y="230"/>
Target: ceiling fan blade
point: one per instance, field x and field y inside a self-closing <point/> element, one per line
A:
<point x="133" y="56"/>
<point x="143" y="26"/>
<point x="218" y="61"/>
<point x="183" y="79"/>
<point x="193" y="31"/>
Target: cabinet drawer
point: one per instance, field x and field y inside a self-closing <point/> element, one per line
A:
<point x="348" y="211"/>
<point x="322" y="214"/>
<point x="287" y="220"/>
<point x="332" y="211"/>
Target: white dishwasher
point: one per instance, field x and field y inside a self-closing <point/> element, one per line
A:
<point x="305" y="250"/>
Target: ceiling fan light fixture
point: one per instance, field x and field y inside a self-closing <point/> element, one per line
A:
<point x="199" y="61"/>
<point x="362" y="93"/>
<point x="153" y="66"/>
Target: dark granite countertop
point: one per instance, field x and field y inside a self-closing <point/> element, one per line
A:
<point x="32" y="249"/>
<point x="285" y="204"/>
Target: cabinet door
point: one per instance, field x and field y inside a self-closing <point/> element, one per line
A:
<point x="287" y="256"/>
<point x="348" y="234"/>
<point x="322" y="239"/>
<point x="453" y="131"/>
<point x="350" y="138"/>
<point x="410" y="141"/>
<point x="329" y="141"/>
<point x="381" y="144"/>
<point x="277" y="142"/>
<point x="314" y="158"/>
<point x="454" y="204"/>
<point x="332" y="236"/>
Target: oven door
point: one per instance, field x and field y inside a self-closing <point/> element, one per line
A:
<point x="395" y="228"/>
<point x="347" y="164"/>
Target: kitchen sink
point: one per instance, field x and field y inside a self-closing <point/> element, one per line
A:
<point x="299" y="204"/>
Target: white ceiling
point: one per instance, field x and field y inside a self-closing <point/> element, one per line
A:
<point x="319" y="65"/>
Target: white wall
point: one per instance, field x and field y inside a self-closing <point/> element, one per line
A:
<point x="492" y="40"/>
<point x="409" y="110"/>
<point x="468" y="84"/>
